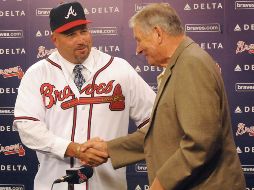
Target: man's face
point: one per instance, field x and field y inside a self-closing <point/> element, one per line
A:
<point x="147" y="44"/>
<point x="74" y="45"/>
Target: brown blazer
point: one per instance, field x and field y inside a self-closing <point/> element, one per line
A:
<point x="188" y="144"/>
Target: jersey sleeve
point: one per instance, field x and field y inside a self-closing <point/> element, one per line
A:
<point x="29" y="115"/>
<point x="142" y="99"/>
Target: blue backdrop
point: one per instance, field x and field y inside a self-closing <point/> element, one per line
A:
<point x="224" y="28"/>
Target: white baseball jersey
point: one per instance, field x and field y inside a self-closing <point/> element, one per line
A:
<point x="50" y="112"/>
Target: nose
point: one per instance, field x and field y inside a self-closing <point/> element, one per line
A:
<point x="139" y="50"/>
<point x="81" y="37"/>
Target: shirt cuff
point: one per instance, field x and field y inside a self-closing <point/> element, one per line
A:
<point x="60" y="146"/>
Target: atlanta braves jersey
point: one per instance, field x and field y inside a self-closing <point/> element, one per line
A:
<point x="50" y="112"/>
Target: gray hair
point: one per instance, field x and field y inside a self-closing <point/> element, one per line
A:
<point x="158" y="14"/>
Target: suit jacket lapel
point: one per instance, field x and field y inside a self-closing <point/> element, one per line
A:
<point x="185" y="43"/>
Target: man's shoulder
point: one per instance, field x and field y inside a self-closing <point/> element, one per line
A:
<point x="42" y="64"/>
<point x="195" y="52"/>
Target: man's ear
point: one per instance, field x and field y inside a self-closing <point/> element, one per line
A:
<point x="159" y="33"/>
<point x="53" y="38"/>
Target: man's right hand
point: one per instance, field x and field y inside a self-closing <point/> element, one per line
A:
<point x="93" y="152"/>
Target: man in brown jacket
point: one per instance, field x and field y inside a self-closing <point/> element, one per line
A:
<point x="188" y="144"/>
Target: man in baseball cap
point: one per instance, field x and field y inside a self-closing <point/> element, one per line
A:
<point x="69" y="19"/>
<point x="63" y="101"/>
<point x="66" y="16"/>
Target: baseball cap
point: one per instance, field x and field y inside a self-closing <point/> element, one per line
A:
<point x="66" y="16"/>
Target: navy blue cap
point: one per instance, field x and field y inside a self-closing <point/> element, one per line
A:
<point x="66" y="16"/>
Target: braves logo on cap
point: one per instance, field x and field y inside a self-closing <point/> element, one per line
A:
<point x="66" y="16"/>
<point x="71" y="12"/>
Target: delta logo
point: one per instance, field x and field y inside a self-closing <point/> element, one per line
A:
<point x="12" y="13"/>
<point x="244" y="27"/>
<point x="44" y="33"/>
<point x="242" y="47"/>
<point x="245" y="150"/>
<point x="203" y="6"/>
<point x="245" y="67"/>
<point x="245" y="109"/>
<point x="102" y="10"/>
<point x="12" y="149"/>
<point x="147" y="68"/>
<point x="242" y="129"/>
<point x="139" y="187"/>
<point x="12" y="72"/>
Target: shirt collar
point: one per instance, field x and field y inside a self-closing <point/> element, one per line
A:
<point x="89" y="63"/>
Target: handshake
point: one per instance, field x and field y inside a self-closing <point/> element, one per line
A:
<point x="93" y="152"/>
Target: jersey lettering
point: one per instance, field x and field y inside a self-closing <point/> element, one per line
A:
<point x="51" y="95"/>
<point x="101" y="88"/>
<point x="116" y="100"/>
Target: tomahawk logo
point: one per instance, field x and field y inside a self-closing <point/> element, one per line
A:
<point x="12" y="149"/>
<point x="71" y="12"/>
<point x="43" y="52"/>
<point x="12" y="72"/>
<point x="243" y="46"/>
<point x="242" y="129"/>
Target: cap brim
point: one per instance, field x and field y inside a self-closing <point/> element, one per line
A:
<point x="71" y="25"/>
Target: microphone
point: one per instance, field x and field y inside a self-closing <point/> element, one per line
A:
<point x="76" y="175"/>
